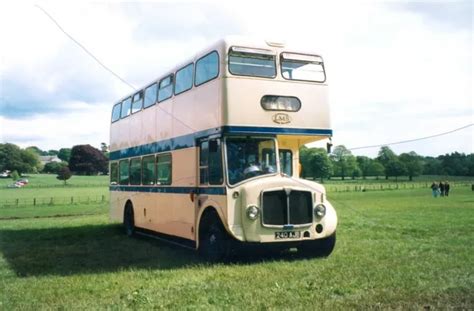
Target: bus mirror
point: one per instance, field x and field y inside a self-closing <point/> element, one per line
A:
<point x="329" y="147"/>
<point x="213" y="146"/>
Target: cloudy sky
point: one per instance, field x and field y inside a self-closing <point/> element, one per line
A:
<point x="397" y="70"/>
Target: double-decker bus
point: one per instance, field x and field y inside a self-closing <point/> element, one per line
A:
<point x="207" y="155"/>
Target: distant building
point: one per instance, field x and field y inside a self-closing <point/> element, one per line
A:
<point x="49" y="159"/>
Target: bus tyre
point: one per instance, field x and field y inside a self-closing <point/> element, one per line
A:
<point x="129" y="220"/>
<point x="214" y="244"/>
<point x="319" y="248"/>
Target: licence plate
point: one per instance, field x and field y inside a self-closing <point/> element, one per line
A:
<point x="287" y="235"/>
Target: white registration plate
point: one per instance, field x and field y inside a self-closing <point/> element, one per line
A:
<point x="287" y="235"/>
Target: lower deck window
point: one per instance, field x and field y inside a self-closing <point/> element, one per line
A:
<point x="124" y="172"/>
<point x="163" y="169"/>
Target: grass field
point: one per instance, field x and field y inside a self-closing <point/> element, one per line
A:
<point x="396" y="249"/>
<point x="44" y="186"/>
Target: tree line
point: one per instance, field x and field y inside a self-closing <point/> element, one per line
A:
<point x="316" y="163"/>
<point x="80" y="160"/>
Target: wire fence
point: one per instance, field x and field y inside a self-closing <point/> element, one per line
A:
<point x="388" y="186"/>
<point x="331" y="188"/>
<point x="42" y="186"/>
<point x="44" y="201"/>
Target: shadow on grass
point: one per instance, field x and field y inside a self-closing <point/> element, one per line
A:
<point x="99" y="249"/>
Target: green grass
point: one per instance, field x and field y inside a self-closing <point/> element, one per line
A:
<point x="396" y="249"/>
<point x="44" y="186"/>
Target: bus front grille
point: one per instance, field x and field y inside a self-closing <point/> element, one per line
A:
<point x="276" y="212"/>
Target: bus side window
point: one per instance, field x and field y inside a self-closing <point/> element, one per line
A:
<point x="114" y="173"/>
<point x="165" y="88"/>
<point x="135" y="171"/>
<point x="207" y="68"/>
<point x="164" y="169"/>
<point x="148" y="170"/>
<point x="137" y="102"/>
<point x="184" y="79"/>
<point x="126" y="105"/>
<point x="124" y="172"/>
<point x="116" y="112"/>
<point x="151" y="93"/>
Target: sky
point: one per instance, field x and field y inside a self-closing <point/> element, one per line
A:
<point x="396" y="70"/>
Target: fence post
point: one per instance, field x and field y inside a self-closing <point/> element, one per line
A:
<point x="72" y="200"/>
<point x="34" y="201"/>
<point x="51" y="201"/>
<point x="16" y="202"/>
<point x="103" y="198"/>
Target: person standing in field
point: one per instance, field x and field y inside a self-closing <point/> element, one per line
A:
<point x="446" y="188"/>
<point x="435" y="189"/>
<point x="441" y="188"/>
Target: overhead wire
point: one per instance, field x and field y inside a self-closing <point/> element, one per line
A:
<point x="413" y="140"/>
<point x="105" y="66"/>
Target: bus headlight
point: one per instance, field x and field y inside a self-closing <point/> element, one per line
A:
<point x="252" y="212"/>
<point x="320" y="210"/>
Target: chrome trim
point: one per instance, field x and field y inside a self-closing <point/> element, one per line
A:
<point x="287" y="205"/>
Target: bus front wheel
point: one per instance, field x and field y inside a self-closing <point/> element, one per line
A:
<point x="129" y="220"/>
<point x="214" y="244"/>
<point x="320" y="248"/>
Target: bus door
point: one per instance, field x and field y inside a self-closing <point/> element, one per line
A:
<point x="210" y="173"/>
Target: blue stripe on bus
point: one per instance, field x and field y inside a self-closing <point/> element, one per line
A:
<point x="274" y="130"/>
<point x="181" y="190"/>
<point x="189" y="140"/>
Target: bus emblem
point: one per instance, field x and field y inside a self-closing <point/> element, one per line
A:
<point x="281" y="118"/>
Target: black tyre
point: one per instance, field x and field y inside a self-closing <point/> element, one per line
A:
<point x="319" y="248"/>
<point x="214" y="243"/>
<point x="129" y="220"/>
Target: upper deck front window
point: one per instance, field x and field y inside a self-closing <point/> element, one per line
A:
<point x="252" y="62"/>
<point x="249" y="157"/>
<point x="302" y="67"/>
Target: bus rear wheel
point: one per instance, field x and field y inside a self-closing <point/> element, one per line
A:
<point x="129" y="220"/>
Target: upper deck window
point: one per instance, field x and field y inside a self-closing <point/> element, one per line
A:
<point x="165" y="88"/>
<point x="137" y="102"/>
<point x="252" y="62"/>
<point x="207" y="68"/>
<point x="126" y="105"/>
<point x="150" y="95"/>
<point x="116" y="112"/>
<point x="184" y="79"/>
<point x="302" y="67"/>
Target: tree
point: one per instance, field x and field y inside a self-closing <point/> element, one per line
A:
<point x="64" y="174"/>
<point x="36" y="150"/>
<point x="14" y="175"/>
<point x="364" y="165"/>
<point x="64" y="154"/>
<point x="87" y="160"/>
<point x="395" y="168"/>
<point x="13" y="158"/>
<point x="412" y="163"/>
<point x="376" y="169"/>
<point x="344" y="162"/>
<point x="385" y="156"/>
<point x="315" y="163"/>
<point x="53" y="167"/>
<point x="52" y="152"/>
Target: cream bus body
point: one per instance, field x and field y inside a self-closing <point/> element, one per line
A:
<point x="228" y="107"/>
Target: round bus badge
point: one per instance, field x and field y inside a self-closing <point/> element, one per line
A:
<point x="281" y="118"/>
